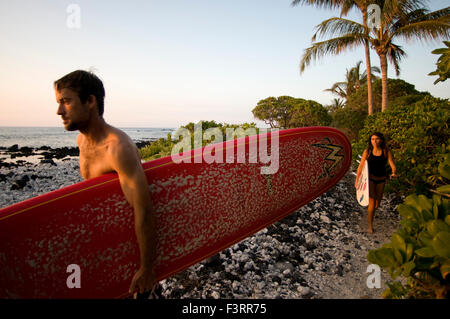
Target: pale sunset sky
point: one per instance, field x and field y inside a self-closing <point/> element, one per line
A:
<point x="167" y="63"/>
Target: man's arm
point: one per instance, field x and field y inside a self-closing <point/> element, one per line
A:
<point x="125" y="161"/>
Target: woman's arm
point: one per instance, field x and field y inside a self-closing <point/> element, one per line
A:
<point x="392" y="164"/>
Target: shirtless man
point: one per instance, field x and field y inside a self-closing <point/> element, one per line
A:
<point x="105" y="149"/>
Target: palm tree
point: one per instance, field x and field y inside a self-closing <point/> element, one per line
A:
<point x="399" y="19"/>
<point x="346" y="6"/>
<point x="344" y="89"/>
<point x="362" y="6"/>
<point x="336" y="104"/>
<point x="353" y="81"/>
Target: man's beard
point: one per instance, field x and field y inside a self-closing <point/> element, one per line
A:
<point x="75" y="126"/>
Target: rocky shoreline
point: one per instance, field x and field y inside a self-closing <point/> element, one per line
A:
<point x="317" y="252"/>
<point x="17" y="158"/>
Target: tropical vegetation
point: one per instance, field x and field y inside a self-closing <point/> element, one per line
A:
<point x="287" y="112"/>
<point x="163" y="146"/>
<point x="354" y="79"/>
<point x="399" y="19"/>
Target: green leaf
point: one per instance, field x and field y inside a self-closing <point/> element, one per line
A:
<point x="409" y="251"/>
<point x="445" y="207"/>
<point x="436" y="226"/>
<point x="435" y="211"/>
<point x="398" y="242"/>
<point x="409" y="212"/>
<point x="424" y="203"/>
<point x="413" y="201"/>
<point x="447" y="220"/>
<point x="409" y="226"/>
<point x="444" y="189"/>
<point x="441" y="244"/>
<point x="425" y="239"/>
<point x="439" y="51"/>
<point x="427" y="215"/>
<point x="398" y="256"/>
<point x="405" y="211"/>
<point x="426" y="252"/>
<point x="408" y="267"/>
<point x="444" y="168"/>
<point x="437" y="200"/>
<point x="384" y="257"/>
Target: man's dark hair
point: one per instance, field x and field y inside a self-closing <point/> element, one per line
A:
<point x="85" y="84"/>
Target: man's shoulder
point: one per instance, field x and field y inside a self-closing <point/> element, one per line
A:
<point x="119" y="142"/>
<point x="122" y="153"/>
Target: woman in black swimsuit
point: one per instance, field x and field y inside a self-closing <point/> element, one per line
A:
<point x="377" y="155"/>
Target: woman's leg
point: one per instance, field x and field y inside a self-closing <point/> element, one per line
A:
<point x="375" y="197"/>
<point x="379" y="190"/>
<point x="372" y="207"/>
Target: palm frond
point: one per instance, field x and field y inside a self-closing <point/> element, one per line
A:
<point x="395" y="9"/>
<point x="327" y="4"/>
<point x="395" y="54"/>
<point x="337" y="27"/>
<point x="337" y="91"/>
<point x="442" y="13"/>
<point x="333" y="46"/>
<point x="421" y="15"/>
<point x="348" y="5"/>
<point x="375" y="69"/>
<point x="424" y="30"/>
<point x="408" y="18"/>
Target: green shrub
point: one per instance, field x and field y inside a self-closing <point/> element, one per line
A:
<point x="350" y="119"/>
<point x="397" y="88"/>
<point x="159" y="148"/>
<point x="289" y="112"/>
<point x="163" y="147"/>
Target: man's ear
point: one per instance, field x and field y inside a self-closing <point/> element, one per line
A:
<point x="91" y="102"/>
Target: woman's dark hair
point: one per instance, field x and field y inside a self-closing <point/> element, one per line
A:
<point x="85" y="84"/>
<point x="382" y="145"/>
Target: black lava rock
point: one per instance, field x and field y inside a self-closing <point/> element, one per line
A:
<point x="48" y="161"/>
<point x="20" y="183"/>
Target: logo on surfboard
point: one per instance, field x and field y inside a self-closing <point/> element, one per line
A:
<point x="332" y="156"/>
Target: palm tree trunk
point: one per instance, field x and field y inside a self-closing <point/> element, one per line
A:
<point x="384" y="87"/>
<point x="368" y="68"/>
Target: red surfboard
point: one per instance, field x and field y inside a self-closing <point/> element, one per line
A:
<point x="200" y="208"/>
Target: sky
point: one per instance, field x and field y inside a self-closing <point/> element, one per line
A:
<point x="168" y="63"/>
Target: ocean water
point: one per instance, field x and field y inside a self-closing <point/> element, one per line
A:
<point x="59" y="137"/>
